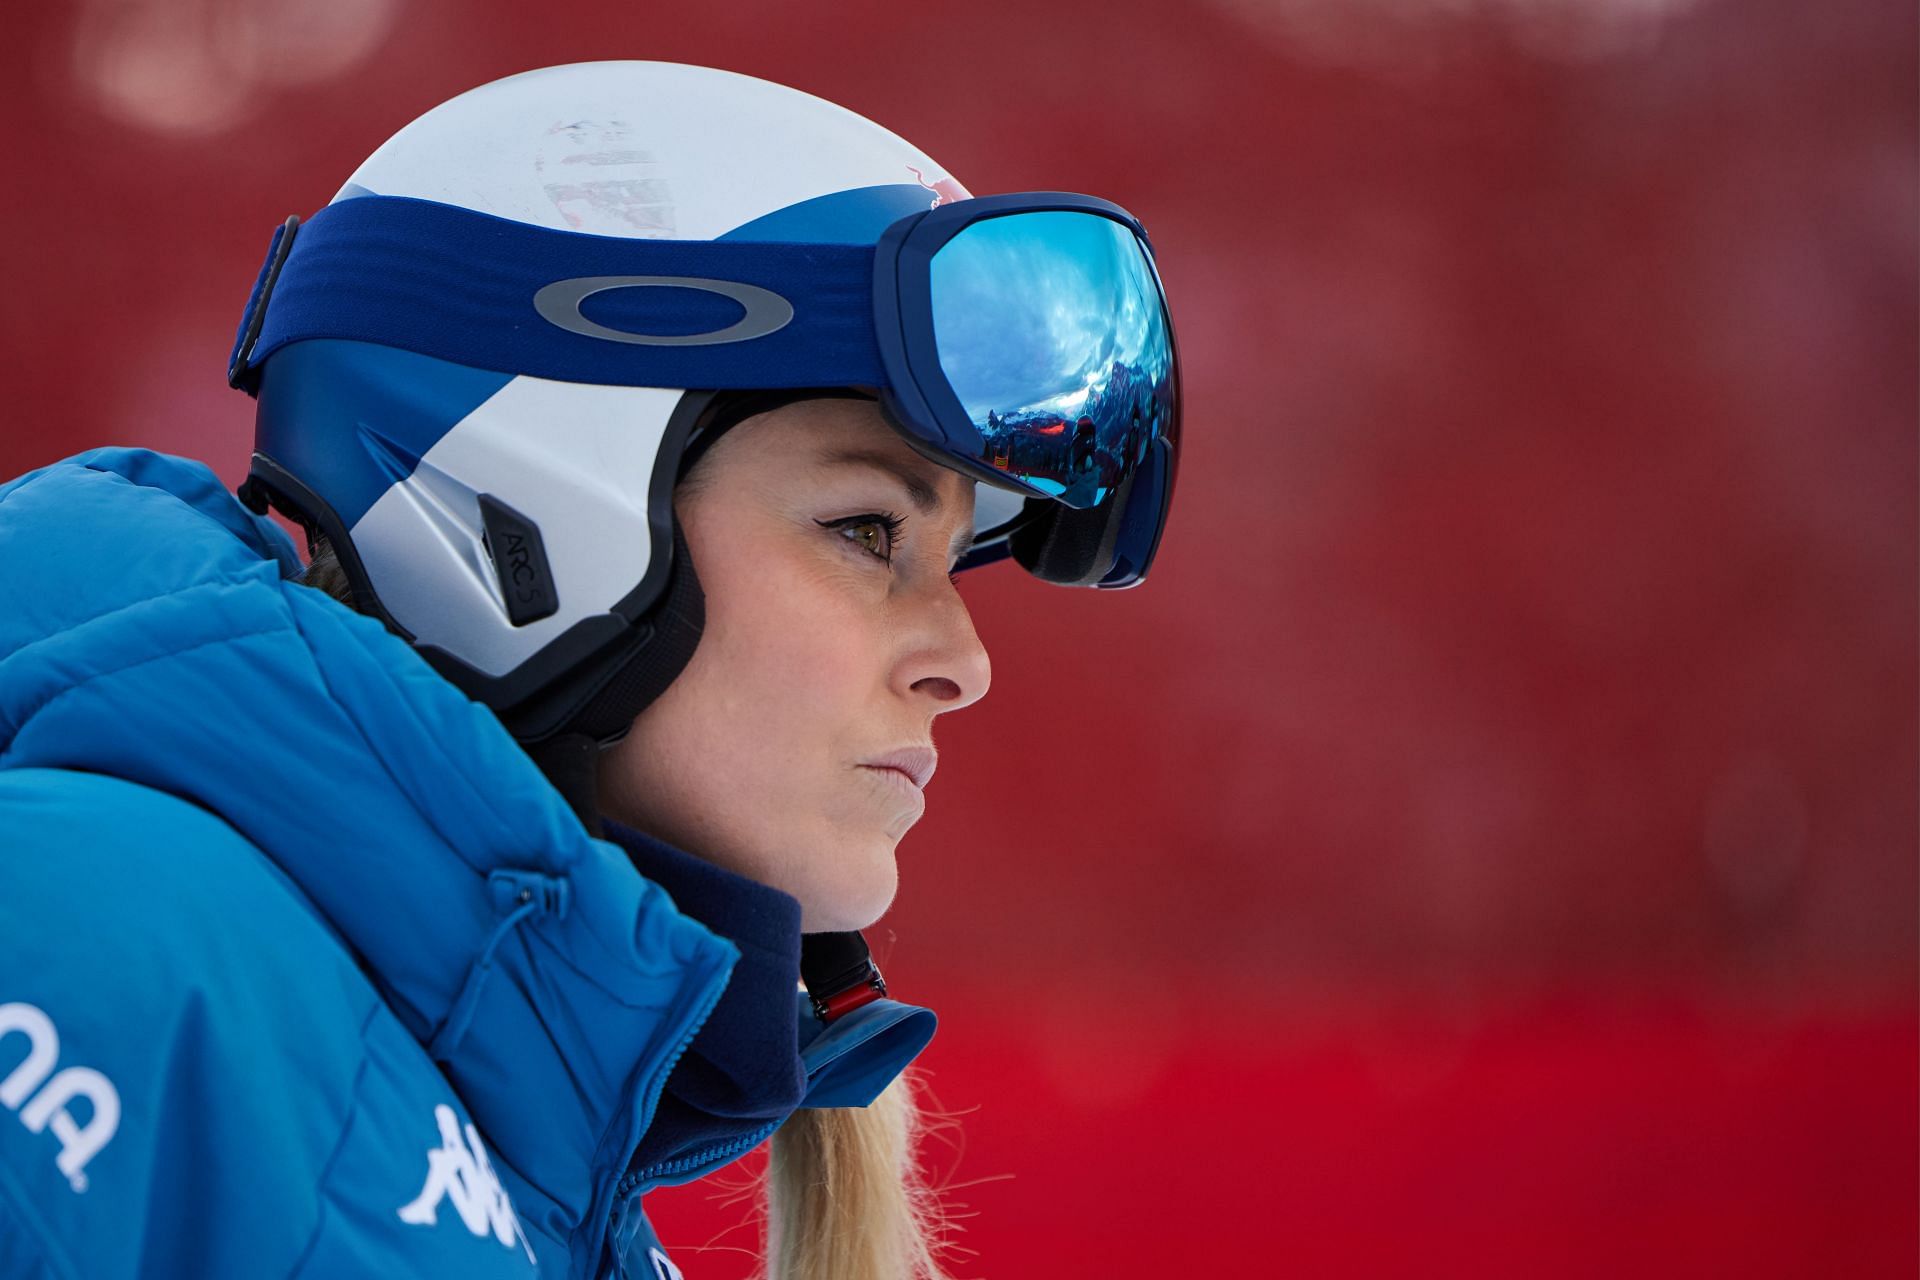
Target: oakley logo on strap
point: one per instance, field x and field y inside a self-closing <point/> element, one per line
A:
<point x="766" y="311"/>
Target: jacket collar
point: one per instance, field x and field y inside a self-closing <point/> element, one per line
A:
<point x="735" y="1083"/>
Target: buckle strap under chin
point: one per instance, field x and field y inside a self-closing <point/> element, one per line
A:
<point x="839" y="972"/>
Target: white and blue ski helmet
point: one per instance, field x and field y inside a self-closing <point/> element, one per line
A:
<point x="480" y="367"/>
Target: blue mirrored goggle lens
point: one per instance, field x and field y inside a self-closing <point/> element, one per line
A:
<point x="1052" y="333"/>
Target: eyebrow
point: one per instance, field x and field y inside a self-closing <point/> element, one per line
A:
<point x="924" y="495"/>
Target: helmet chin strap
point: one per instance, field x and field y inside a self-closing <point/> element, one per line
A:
<point x="571" y="762"/>
<point x="839" y="972"/>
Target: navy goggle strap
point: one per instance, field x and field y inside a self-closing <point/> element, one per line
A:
<point x="495" y="294"/>
<point x="490" y="293"/>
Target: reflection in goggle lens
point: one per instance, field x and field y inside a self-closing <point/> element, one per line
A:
<point x="1052" y="332"/>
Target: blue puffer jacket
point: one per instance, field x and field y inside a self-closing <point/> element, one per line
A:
<point x="305" y="970"/>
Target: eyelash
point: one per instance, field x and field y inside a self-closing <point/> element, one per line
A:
<point x="885" y="520"/>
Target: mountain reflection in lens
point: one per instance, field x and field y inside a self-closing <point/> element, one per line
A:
<point x="1053" y="335"/>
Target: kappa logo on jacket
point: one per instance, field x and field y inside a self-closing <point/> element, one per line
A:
<point x="48" y="1108"/>
<point x="460" y="1172"/>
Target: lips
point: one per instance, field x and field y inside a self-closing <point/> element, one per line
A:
<point x="917" y="763"/>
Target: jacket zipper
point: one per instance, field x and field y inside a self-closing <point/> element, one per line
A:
<point x="722" y="1153"/>
<point x="659" y="1083"/>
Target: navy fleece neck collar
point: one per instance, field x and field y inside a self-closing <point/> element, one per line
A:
<point x="762" y="1054"/>
<point x="743" y="1074"/>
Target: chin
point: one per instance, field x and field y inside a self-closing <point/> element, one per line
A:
<point x="856" y="902"/>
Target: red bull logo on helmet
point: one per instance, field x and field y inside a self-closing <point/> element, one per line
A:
<point x="945" y="190"/>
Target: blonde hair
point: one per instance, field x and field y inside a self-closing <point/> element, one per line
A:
<point x="844" y="1196"/>
<point x="845" y="1200"/>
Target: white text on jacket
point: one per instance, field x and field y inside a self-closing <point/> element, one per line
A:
<point x="48" y="1108"/>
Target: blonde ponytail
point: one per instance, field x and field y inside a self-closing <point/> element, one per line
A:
<point x="844" y="1196"/>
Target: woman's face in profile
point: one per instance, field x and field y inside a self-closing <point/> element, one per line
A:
<point x="834" y="636"/>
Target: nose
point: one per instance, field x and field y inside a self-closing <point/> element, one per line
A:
<point x="944" y="660"/>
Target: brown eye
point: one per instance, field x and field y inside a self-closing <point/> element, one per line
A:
<point x="876" y="534"/>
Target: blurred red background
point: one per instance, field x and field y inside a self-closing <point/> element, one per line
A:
<point x="1488" y="846"/>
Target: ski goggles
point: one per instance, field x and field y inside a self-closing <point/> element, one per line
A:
<point x="1023" y="340"/>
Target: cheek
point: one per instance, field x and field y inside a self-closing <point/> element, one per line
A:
<point x="750" y="758"/>
<point x="790" y="671"/>
<point x="789" y="641"/>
